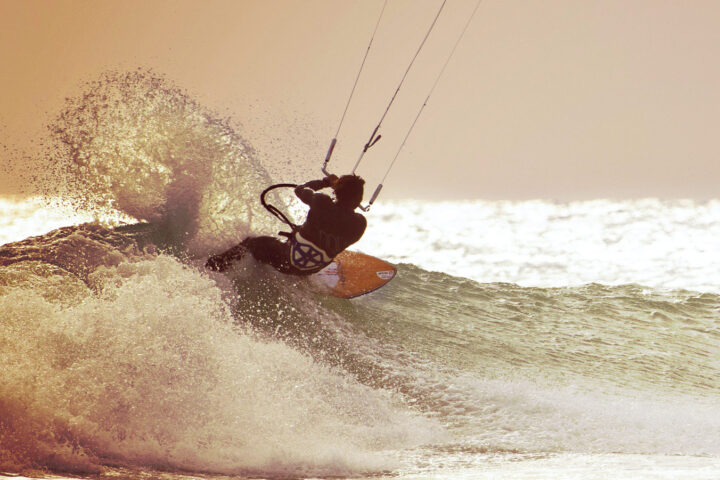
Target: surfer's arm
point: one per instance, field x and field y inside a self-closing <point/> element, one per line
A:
<point x="306" y="191"/>
<point x="316" y="185"/>
<point x="313" y="185"/>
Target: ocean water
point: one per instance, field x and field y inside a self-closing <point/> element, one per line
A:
<point x="520" y="340"/>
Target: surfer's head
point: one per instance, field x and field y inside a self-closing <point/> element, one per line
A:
<point x="349" y="190"/>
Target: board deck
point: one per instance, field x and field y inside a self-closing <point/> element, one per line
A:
<point x="352" y="274"/>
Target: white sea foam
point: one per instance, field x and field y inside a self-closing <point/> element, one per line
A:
<point x="153" y="371"/>
<point x="529" y="416"/>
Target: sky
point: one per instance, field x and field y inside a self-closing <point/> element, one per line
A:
<point x="549" y="99"/>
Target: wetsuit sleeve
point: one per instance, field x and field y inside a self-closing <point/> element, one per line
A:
<point x="316" y="184"/>
<point x="305" y="192"/>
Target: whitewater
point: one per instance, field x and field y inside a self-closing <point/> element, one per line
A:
<point x="519" y="340"/>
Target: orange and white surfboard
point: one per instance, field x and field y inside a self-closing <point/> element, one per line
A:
<point x="352" y="274"/>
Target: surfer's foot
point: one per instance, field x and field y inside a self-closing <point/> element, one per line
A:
<point x="216" y="263"/>
<point x="222" y="262"/>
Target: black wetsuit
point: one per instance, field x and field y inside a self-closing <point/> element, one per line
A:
<point x="330" y="226"/>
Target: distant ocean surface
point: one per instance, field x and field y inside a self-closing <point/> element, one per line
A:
<point x="519" y="340"/>
<point x="650" y="242"/>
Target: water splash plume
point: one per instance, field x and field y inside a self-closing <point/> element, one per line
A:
<point x="134" y="144"/>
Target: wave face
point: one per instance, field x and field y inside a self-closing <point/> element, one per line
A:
<point x="119" y="351"/>
<point x="592" y="369"/>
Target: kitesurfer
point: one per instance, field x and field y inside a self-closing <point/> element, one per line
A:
<point x="331" y="226"/>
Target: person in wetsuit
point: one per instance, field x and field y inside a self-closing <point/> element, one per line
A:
<point x="331" y="226"/>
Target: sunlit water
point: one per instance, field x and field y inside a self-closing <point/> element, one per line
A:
<point x="661" y="244"/>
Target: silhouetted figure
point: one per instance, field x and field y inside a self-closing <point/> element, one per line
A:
<point x="331" y="226"/>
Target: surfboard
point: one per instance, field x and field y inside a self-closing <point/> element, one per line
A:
<point x="352" y="274"/>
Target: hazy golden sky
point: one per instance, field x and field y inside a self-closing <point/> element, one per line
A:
<point x="565" y="99"/>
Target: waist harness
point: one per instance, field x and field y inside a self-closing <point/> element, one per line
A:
<point x="305" y="255"/>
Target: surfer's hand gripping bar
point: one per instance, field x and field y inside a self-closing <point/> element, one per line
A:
<point x="374" y="138"/>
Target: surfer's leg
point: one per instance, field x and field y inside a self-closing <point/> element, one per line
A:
<point x="269" y="250"/>
<point x="222" y="262"/>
